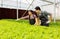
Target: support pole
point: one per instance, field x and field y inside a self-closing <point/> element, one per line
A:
<point x="1" y="3"/>
<point x="17" y="10"/>
<point x="55" y="11"/>
<point x="20" y="3"/>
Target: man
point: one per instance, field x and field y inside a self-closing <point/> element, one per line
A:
<point x="42" y="17"/>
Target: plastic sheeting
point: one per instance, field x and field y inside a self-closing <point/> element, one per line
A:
<point x="46" y="5"/>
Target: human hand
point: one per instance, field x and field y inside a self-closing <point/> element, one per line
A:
<point x="48" y="21"/>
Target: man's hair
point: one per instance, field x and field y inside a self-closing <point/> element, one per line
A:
<point x="37" y="8"/>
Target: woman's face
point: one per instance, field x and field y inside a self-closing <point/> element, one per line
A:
<point x="29" y="12"/>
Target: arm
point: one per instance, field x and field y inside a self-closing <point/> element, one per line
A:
<point x="49" y="14"/>
<point x="37" y="21"/>
<point x="50" y="18"/>
<point x="25" y="17"/>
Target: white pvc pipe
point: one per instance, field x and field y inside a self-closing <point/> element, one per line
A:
<point x="17" y="10"/>
<point x="55" y="11"/>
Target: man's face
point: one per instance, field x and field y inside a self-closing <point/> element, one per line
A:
<point x="37" y="11"/>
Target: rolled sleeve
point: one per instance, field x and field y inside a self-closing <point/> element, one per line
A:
<point x="47" y="13"/>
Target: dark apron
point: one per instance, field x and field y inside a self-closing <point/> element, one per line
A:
<point x="32" y="21"/>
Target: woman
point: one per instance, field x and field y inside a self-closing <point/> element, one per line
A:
<point x="31" y="16"/>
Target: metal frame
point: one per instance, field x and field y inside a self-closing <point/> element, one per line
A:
<point x="1" y="3"/>
<point x="54" y="8"/>
<point x="47" y="1"/>
<point x="42" y="5"/>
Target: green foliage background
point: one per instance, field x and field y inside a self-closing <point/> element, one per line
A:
<point x="12" y="29"/>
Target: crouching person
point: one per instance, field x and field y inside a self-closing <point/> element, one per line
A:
<point x="31" y="16"/>
<point x="43" y="17"/>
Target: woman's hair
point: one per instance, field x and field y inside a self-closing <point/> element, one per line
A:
<point x="31" y="11"/>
